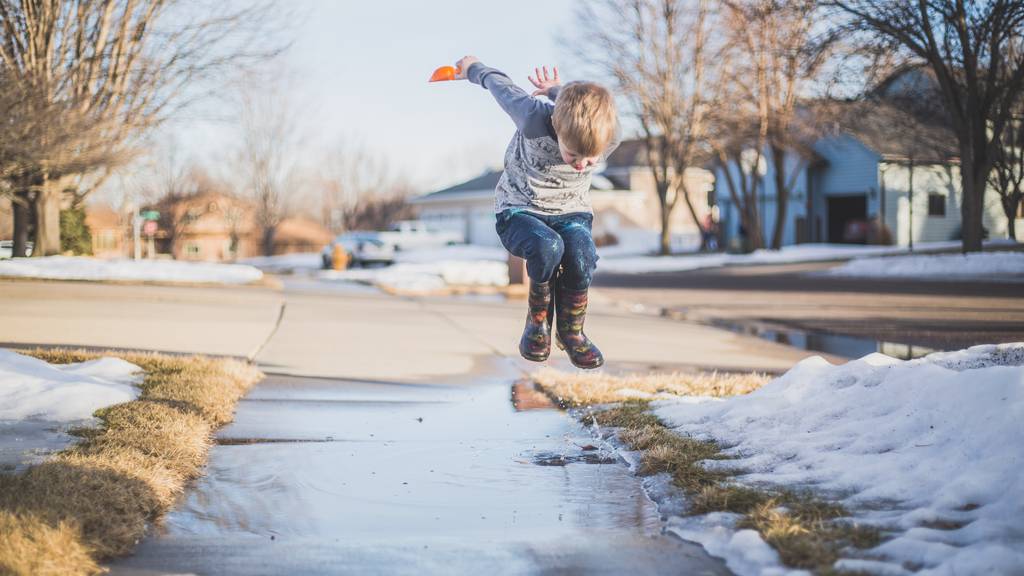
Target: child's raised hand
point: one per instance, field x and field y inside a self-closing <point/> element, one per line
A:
<point x="544" y="82"/>
<point x="462" y="66"/>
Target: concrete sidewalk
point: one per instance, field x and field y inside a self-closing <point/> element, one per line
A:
<point x="384" y="439"/>
<point x="217" y="321"/>
<point x="354" y="335"/>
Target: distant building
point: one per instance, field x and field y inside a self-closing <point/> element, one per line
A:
<point x="622" y="195"/>
<point x="217" y="227"/>
<point x="879" y="172"/>
<point x="110" y="231"/>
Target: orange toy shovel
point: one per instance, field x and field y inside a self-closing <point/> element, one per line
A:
<point x="444" y="74"/>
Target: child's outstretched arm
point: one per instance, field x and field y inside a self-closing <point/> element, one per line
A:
<point x="531" y="115"/>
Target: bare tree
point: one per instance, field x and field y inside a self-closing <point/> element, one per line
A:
<point x="969" y="46"/>
<point x="88" y="77"/>
<point x="267" y="165"/>
<point x="656" y="53"/>
<point x="353" y="175"/>
<point x="1007" y="176"/>
<point x="776" y="57"/>
<point x="377" y="213"/>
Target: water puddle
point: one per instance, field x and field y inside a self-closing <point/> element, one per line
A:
<point x="411" y="479"/>
<point x="816" y="341"/>
<point x="27" y="442"/>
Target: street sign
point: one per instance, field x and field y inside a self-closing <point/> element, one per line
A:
<point x="151" y="215"/>
<point x="149" y="228"/>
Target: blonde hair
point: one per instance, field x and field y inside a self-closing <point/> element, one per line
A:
<point x="584" y="118"/>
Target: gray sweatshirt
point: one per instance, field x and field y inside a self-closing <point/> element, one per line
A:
<point x="535" y="177"/>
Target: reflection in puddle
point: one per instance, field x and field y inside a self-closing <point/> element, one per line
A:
<point x="526" y="396"/>
<point x="838" y="344"/>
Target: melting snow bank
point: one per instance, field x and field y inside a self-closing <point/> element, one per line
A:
<point x="31" y="389"/>
<point x="929" y="450"/>
<point x="1005" y="266"/>
<point x="83" y="268"/>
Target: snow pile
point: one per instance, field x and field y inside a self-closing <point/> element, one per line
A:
<point x="286" y="262"/>
<point x="82" y="268"/>
<point x="1006" y="266"/>
<point x="33" y="389"/>
<point x="428" y="270"/>
<point x="929" y="449"/>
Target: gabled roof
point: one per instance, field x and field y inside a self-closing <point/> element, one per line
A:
<point x="487" y="181"/>
<point x="894" y="132"/>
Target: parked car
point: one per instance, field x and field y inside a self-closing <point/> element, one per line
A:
<point x="411" y="234"/>
<point x="7" y="249"/>
<point x="363" y="249"/>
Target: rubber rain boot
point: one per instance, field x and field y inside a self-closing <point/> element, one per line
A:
<point x="570" y="314"/>
<point x="535" y="344"/>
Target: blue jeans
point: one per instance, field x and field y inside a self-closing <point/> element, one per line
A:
<point x="547" y="242"/>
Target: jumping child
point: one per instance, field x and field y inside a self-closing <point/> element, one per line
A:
<point x="542" y="201"/>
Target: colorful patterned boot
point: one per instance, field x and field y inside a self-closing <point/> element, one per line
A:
<point x="535" y="344"/>
<point x="571" y="313"/>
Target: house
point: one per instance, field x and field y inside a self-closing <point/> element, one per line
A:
<point x="622" y="195"/>
<point x="110" y="230"/>
<point x="883" y="169"/>
<point x="218" y="227"/>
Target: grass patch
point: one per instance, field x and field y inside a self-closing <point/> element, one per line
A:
<point x="93" y="500"/>
<point x="572" y="390"/>
<point x="807" y="531"/>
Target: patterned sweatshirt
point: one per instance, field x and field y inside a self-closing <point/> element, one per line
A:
<point x="535" y="177"/>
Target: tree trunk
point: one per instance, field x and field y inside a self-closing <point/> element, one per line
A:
<point x="1010" y="204"/>
<point x="682" y="189"/>
<point x="47" y="212"/>
<point x="268" y="240"/>
<point x="972" y="200"/>
<point x="665" y="246"/>
<point x="22" y="212"/>
<point x="781" y="196"/>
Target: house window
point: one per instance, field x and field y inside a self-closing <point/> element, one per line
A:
<point x="192" y="249"/>
<point x="937" y="205"/>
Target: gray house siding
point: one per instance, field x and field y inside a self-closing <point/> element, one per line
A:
<point x="796" y="210"/>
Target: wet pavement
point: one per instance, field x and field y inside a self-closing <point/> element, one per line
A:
<point x="385" y="440"/>
<point x="27" y="442"/>
<point x="325" y="476"/>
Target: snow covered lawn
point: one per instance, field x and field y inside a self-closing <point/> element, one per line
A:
<point x="788" y="255"/>
<point x="429" y="270"/>
<point x="928" y="450"/>
<point x="625" y="261"/>
<point x="286" y="262"/>
<point x="83" y="268"/>
<point x="999" y="266"/>
<point x="34" y="389"/>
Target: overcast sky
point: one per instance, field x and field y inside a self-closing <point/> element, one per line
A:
<point x="358" y="71"/>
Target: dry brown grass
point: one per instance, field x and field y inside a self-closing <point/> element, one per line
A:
<point x="584" y="389"/>
<point x="26" y="545"/>
<point x="807" y="531"/>
<point x="94" y="500"/>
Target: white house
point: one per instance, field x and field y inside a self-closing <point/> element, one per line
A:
<point x="877" y="162"/>
<point x="622" y="196"/>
